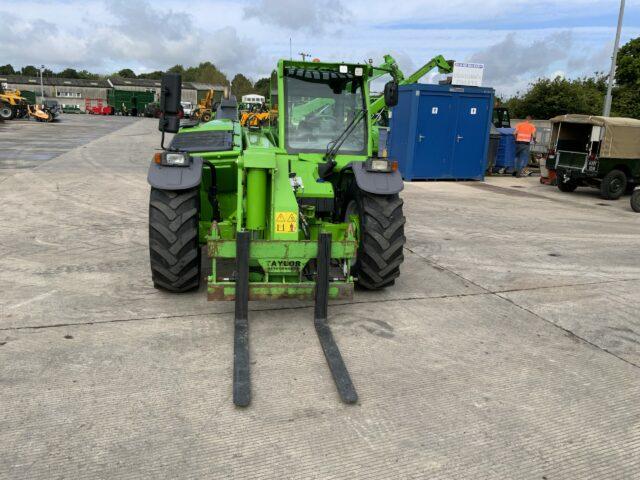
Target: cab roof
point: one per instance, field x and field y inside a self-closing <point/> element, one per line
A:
<point x="596" y="120"/>
<point x="621" y="137"/>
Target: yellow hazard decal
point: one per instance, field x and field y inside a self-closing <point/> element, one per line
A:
<point x="286" y="222"/>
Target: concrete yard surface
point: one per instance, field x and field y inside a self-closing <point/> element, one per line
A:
<point x="508" y="349"/>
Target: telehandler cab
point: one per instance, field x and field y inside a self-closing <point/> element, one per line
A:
<point x="298" y="209"/>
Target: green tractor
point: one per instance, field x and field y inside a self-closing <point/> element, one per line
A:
<point x="296" y="209"/>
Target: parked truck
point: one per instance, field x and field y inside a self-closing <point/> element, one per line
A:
<point x="598" y="152"/>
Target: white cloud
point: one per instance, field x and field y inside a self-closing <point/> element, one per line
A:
<point x="297" y="15"/>
<point x="129" y="34"/>
<point x="249" y="37"/>
<point x="510" y="61"/>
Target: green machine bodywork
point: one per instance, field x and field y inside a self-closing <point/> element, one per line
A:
<point x="266" y="181"/>
<point x="298" y="208"/>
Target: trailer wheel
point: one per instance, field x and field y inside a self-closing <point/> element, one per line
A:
<point x="174" y="248"/>
<point x="635" y="201"/>
<point x="6" y="112"/>
<point x="613" y="185"/>
<point x="380" y="251"/>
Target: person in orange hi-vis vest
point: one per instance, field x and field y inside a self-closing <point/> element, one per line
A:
<point x="525" y="133"/>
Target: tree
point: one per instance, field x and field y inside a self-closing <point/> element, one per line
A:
<point x="626" y="102"/>
<point x="126" y="73"/>
<point x="86" y="75"/>
<point x="241" y="85"/>
<point x="156" y="75"/>
<point x="262" y="87"/>
<point x="626" y="95"/>
<point x="7" y="70"/>
<point x="68" y="73"/>
<point x="30" y="71"/>
<point x="628" y="69"/>
<point x="205" y="72"/>
<point x="547" y="98"/>
<point x="177" y="69"/>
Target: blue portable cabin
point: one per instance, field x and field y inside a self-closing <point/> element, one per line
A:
<point x="441" y="131"/>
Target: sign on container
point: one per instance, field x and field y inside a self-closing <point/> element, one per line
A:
<point x="468" y="74"/>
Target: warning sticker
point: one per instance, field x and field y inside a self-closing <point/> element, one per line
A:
<point x="286" y="222"/>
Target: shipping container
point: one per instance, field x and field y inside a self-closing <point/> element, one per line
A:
<point x="125" y="101"/>
<point x="441" y="131"/>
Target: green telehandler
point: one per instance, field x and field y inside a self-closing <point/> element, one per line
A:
<point x="296" y="209"/>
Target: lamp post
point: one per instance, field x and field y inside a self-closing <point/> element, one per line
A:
<point x="41" y="83"/>
<point x="607" y="101"/>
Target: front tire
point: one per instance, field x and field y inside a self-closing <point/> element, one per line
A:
<point x="6" y="112"/>
<point x="174" y="247"/>
<point x="613" y="185"/>
<point x="380" y="251"/>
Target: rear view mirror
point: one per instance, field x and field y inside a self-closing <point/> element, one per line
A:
<point x="170" y="95"/>
<point x="391" y="94"/>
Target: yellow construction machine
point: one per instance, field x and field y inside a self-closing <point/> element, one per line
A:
<point x="12" y="105"/>
<point x="255" y="116"/>
<point x="204" y="111"/>
<point x="40" y="112"/>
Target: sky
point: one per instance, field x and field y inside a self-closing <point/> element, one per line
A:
<point x="518" y="41"/>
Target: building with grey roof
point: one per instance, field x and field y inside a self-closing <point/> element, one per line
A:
<point x="72" y="92"/>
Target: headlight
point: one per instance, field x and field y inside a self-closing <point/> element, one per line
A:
<point x="172" y="159"/>
<point x="381" y="165"/>
<point x="175" y="159"/>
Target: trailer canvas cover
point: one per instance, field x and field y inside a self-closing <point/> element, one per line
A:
<point x="621" y="135"/>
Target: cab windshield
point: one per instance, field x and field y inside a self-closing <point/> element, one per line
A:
<point x="320" y="106"/>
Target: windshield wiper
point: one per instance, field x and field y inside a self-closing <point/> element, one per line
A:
<point x="333" y="146"/>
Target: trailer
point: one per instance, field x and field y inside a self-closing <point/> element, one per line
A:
<point x="93" y="106"/>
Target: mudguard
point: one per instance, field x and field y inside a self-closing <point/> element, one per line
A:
<point x="380" y="183"/>
<point x="175" y="178"/>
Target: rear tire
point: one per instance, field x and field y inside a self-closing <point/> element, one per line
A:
<point x="635" y="201"/>
<point x="6" y="112"/>
<point x="174" y="247"/>
<point x="382" y="239"/>
<point x="613" y="185"/>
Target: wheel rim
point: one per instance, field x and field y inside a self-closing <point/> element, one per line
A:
<point x="616" y="185"/>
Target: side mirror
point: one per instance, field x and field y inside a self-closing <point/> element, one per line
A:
<point x="170" y="95"/>
<point x="391" y="93"/>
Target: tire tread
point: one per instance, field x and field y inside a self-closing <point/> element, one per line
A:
<point x="382" y="240"/>
<point x="174" y="250"/>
